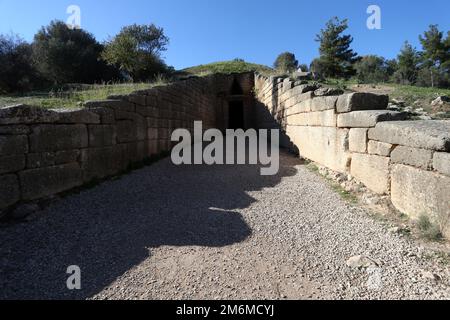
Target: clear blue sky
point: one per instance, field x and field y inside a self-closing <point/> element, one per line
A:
<point x="203" y="31"/>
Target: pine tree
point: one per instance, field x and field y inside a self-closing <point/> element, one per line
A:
<point x="434" y="51"/>
<point x="336" y="56"/>
<point x="407" y="65"/>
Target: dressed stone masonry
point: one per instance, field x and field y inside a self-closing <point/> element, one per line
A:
<point x="354" y="133"/>
<point x="46" y="152"/>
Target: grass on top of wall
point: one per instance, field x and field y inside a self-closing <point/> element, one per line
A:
<point x="75" y="96"/>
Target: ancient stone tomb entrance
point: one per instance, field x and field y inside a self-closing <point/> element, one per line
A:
<point x="236" y="115"/>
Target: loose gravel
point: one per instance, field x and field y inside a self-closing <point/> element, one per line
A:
<point x="212" y="232"/>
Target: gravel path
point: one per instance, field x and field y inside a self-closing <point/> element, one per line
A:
<point x="199" y="232"/>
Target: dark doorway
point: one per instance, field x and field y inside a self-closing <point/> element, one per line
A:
<point x="236" y="115"/>
<point x="236" y="88"/>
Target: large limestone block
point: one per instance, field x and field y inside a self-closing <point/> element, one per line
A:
<point x="9" y="190"/>
<point x="131" y="127"/>
<point x="371" y="170"/>
<point x="11" y="163"/>
<point x="427" y="134"/>
<point x="70" y="116"/>
<point x="137" y="151"/>
<point x="50" y="159"/>
<point x="441" y="162"/>
<point x="107" y="116"/>
<point x="417" y="192"/>
<point x="15" y="129"/>
<point x="380" y="148"/>
<point x="99" y="163"/>
<point x="305" y="88"/>
<point x="116" y="105"/>
<point x="301" y="107"/>
<point x="23" y="114"/>
<point x="325" y="145"/>
<point x="299" y="98"/>
<point x="10" y="145"/>
<point x="39" y="183"/>
<point x="361" y="101"/>
<point x="358" y="140"/>
<point x="420" y="158"/>
<point x="324" y="103"/>
<point x="46" y="138"/>
<point x="323" y="119"/>
<point x="102" y="135"/>
<point x="368" y="119"/>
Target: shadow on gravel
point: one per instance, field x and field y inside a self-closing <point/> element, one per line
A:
<point x="112" y="228"/>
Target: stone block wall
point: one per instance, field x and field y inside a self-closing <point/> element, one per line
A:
<point x="46" y="152"/>
<point x="353" y="133"/>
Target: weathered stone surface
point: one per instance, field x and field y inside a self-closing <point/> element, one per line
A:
<point x="380" y="148"/>
<point x="117" y="105"/>
<point x="324" y="103"/>
<point x="49" y="159"/>
<point x="9" y="190"/>
<point x="325" y="145"/>
<point x="10" y="145"/>
<point x="136" y="151"/>
<point x="132" y="128"/>
<point x="131" y="131"/>
<point x="102" y="135"/>
<point x="15" y="130"/>
<point x="70" y="116"/>
<point x="367" y="119"/>
<point x="433" y="135"/>
<point x="417" y="192"/>
<point x="47" y="138"/>
<point x="99" y="163"/>
<point x="11" y="163"/>
<point x="420" y="158"/>
<point x="152" y="122"/>
<point x="152" y="148"/>
<point x="322" y="92"/>
<point x="107" y="116"/>
<point x="301" y="89"/>
<point x="146" y="111"/>
<point x="358" y="140"/>
<point x="301" y="107"/>
<point x="299" y="98"/>
<point x="153" y="134"/>
<point x="23" y="114"/>
<point x="138" y="99"/>
<point x="39" y="183"/>
<point x="361" y="101"/>
<point x="324" y="119"/>
<point x="440" y="101"/>
<point x="371" y="170"/>
<point x="441" y="162"/>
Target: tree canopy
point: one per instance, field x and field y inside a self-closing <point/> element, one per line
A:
<point x="286" y="62"/>
<point x="136" y="50"/>
<point x="336" y="56"/>
<point x="64" y="55"/>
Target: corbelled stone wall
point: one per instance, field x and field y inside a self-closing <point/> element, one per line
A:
<point x="355" y="134"/>
<point x="46" y="152"/>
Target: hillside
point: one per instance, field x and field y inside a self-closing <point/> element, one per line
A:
<point x="233" y="66"/>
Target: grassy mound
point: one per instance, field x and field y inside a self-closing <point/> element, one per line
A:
<point x="234" y="66"/>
